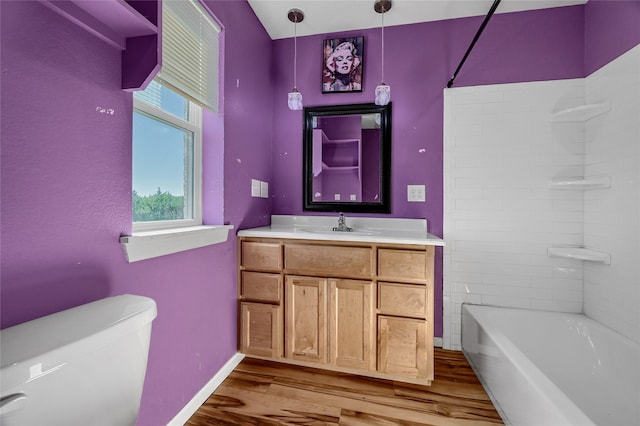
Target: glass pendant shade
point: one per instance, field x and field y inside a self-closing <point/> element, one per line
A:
<point x="295" y="100"/>
<point x="383" y="94"/>
<point x="383" y="91"/>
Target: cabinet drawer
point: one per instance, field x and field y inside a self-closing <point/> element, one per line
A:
<point x="402" y="299"/>
<point x="402" y="264"/>
<point x="329" y="260"/>
<point x="261" y="287"/>
<point x="259" y="255"/>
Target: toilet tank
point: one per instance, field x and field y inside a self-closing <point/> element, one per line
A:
<point x="84" y="366"/>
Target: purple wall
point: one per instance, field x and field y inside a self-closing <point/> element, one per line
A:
<point x="66" y="192"/>
<point x="66" y="168"/>
<point x="420" y="59"/>
<point x="248" y="121"/>
<point x="536" y="45"/>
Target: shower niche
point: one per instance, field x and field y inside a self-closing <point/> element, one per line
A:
<point x="580" y="114"/>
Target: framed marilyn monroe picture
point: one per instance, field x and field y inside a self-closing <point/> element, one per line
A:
<point x="343" y="60"/>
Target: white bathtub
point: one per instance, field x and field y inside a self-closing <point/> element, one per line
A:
<point x="550" y="369"/>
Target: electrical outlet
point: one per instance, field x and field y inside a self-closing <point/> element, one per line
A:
<point x="416" y="193"/>
<point x="353" y="197"/>
<point x="264" y="189"/>
<point x="336" y="197"/>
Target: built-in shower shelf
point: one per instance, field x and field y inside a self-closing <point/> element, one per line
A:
<point x="579" y="253"/>
<point x="581" y="112"/>
<point x="581" y="183"/>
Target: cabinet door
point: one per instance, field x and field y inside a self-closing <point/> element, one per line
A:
<point x="402" y="347"/>
<point x="351" y="327"/>
<point x="261" y="329"/>
<point x="306" y="332"/>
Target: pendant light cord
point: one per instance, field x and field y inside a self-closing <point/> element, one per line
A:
<point x="383" y="11"/>
<point x="295" y="51"/>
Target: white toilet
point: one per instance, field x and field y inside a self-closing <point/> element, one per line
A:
<point x="84" y="366"/>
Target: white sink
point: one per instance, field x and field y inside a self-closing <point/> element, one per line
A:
<point x="365" y="229"/>
<point x="330" y="231"/>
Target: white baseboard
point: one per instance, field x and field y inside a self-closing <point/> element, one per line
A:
<point x="192" y="406"/>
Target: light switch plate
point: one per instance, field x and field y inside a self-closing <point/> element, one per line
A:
<point x="264" y="189"/>
<point x="416" y="193"/>
<point x="255" y="188"/>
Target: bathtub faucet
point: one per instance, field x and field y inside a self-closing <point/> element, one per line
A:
<point x="342" y="226"/>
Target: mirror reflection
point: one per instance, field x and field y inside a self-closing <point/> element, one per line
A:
<point x="347" y="158"/>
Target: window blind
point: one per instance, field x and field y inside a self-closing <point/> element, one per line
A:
<point x="190" y="52"/>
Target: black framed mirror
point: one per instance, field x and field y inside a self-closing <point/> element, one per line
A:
<point x="347" y="158"/>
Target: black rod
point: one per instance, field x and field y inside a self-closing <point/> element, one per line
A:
<point x="494" y="6"/>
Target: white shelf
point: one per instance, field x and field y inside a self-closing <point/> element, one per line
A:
<point x="579" y="253"/>
<point x="326" y="167"/>
<point x="342" y="141"/>
<point x="581" y="112"/>
<point x="581" y="183"/>
<point x="150" y="244"/>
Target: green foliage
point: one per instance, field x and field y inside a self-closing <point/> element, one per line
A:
<point x="159" y="206"/>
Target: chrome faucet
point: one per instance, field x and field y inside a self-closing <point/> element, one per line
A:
<point x="342" y="226"/>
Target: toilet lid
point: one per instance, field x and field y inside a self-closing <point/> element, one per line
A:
<point x="108" y="317"/>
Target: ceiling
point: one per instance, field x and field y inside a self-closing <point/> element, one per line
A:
<point x="328" y="16"/>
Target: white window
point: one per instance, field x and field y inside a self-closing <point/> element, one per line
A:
<point x="167" y="120"/>
<point x="167" y="138"/>
<point x="167" y="160"/>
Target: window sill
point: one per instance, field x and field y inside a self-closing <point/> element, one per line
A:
<point x="150" y="244"/>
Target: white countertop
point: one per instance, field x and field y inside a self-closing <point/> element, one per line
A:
<point x="368" y="230"/>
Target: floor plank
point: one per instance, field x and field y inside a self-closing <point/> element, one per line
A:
<point x="268" y="393"/>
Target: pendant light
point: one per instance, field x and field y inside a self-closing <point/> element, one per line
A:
<point x="295" y="97"/>
<point x="383" y="92"/>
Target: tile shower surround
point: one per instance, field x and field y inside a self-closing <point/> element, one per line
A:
<point x="501" y="150"/>
<point x="612" y="217"/>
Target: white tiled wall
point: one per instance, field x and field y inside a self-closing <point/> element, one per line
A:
<point x="500" y="152"/>
<point x="612" y="216"/>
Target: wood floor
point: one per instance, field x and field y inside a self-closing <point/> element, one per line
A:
<point x="268" y="393"/>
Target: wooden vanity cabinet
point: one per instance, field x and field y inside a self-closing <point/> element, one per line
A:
<point x="260" y="288"/>
<point x="405" y="312"/>
<point x="354" y="307"/>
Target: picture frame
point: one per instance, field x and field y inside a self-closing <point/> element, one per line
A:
<point x="342" y="64"/>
